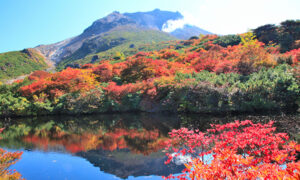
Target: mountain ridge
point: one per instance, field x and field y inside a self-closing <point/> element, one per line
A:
<point x="152" y="20"/>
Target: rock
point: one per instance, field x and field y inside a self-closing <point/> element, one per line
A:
<point x="94" y="59"/>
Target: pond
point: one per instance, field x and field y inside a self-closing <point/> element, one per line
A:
<point x="119" y="146"/>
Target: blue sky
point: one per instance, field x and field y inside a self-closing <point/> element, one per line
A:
<point x="28" y="23"/>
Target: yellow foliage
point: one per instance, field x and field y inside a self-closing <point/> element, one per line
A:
<point x="253" y="53"/>
<point x="164" y="80"/>
<point x="249" y="39"/>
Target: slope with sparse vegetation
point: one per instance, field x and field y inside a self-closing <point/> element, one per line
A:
<point x="17" y="63"/>
<point x="116" y="45"/>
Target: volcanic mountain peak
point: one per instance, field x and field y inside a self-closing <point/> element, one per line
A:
<point x="107" y="23"/>
<point x="154" y="19"/>
<point x="144" y="21"/>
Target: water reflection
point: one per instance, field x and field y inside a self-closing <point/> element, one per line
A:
<point x="123" y="145"/>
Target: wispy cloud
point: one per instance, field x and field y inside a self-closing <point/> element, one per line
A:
<point x="172" y="25"/>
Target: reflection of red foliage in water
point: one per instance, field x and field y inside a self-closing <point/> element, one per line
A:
<point x="138" y="141"/>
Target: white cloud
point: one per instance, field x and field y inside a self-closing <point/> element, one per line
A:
<point x="238" y="16"/>
<point x="172" y="25"/>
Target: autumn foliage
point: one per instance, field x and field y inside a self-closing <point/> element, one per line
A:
<point x="209" y="74"/>
<point x="57" y="84"/>
<point x="238" y="150"/>
<point x="8" y="159"/>
<point x="245" y="59"/>
<point x="295" y="55"/>
<point x="146" y="141"/>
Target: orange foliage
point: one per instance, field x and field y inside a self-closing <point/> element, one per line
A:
<point x="8" y="159"/>
<point x="167" y="54"/>
<point x="104" y="72"/>
<point x="117" y="92"/>
<point x="143" y="67"/>
<point x="150" y="140"/>
<point x="38" y="75"/>
<point x="68" y="80"/>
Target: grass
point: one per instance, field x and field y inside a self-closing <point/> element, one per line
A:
<point x="17" y="63"/>
<point x="125" y="42"/>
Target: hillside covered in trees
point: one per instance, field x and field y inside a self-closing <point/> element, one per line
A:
<point x="210" y="74"/>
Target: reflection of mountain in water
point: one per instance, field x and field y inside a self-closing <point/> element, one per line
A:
<point x="123" y="145"/>
<point x="123" y="163"/>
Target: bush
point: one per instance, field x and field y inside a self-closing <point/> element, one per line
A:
<point x="238" y="150"/>
<point x="10" y="105"/>
<point x="228" y="40"/>
<point x="268" y="89"/>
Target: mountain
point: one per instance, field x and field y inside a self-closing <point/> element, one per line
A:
<point x="158" y="19"/>
<point x="123" y="163"/>
<point x="124" y="40"/>
<point x="58" y="51"/>
<point x="112" y="37"/>
<point x="117" y="33"/>
<point x="18" y="63"/>
<point x="154" y="19"/>
<point x="188" y="31"/>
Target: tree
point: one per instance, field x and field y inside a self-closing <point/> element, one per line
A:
<point x="289" y="33"/>
<point x="267" y="34"/>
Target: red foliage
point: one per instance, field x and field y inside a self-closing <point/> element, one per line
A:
<point x="295" y="53"/>
<point x="167" y="54"/>
<point x="104" y="72"/>
<point x="38" y="75"/>
<point x="273" y="50"/>
<point x="200" y="64"/>
<point x="143" y="67"/>
<point x="239" y="150"/>
<point x="117" y="92"/>
<point x="224" y="66"/>
<point x="87" y="66"/>
<point x="68" y="80"/>
<point x="141" y="54"/>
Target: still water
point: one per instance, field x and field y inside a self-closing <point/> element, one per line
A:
<point x="122" y="146"/>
